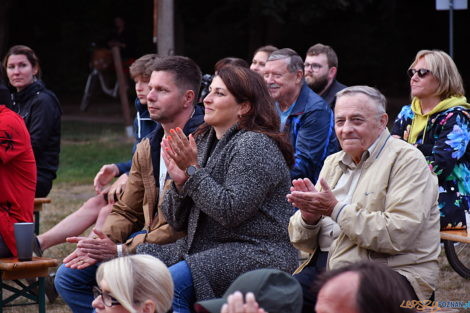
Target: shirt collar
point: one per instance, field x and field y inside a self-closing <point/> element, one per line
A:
<point x="346" y="163"/>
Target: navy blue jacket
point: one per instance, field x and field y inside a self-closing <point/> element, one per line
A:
<point x="310" y="126"/>
<point x="143" y="125"/>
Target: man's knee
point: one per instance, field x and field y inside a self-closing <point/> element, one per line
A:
<point x="68" y="279"/>
<point x="94" y="204"/>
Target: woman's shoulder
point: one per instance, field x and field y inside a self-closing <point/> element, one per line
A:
<point x="47" y="95"/>
<point x="253" y="138"/>
<point x="406" y="112"/>
<point x="457" y="110"/>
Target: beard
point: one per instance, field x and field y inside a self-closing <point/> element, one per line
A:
<point x="318" y="84"/>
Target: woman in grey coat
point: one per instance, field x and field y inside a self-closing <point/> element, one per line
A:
<point x="229" y="191"/>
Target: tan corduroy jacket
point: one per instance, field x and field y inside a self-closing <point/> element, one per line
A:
<point x="392" y="218"/>
<point x="137" y="207"/>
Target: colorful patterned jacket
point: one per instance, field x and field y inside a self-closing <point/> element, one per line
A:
<point x="445" y="146"/>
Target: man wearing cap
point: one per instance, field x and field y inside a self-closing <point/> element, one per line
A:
<point x="265" y="290"/>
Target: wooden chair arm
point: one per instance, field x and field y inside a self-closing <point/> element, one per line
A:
<point x="39" y="202"/>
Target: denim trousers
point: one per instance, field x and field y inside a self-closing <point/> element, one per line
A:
<point x="76" y="286"/>
<point x="184" y="298"/>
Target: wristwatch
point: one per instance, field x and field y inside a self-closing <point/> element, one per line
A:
<point x="191" y="170"/>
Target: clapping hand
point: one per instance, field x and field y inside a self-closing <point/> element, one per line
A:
<point x="311" y="202"/>
<point x="179" y="152"/>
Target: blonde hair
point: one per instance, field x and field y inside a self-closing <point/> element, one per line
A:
<point x="134" y="279"/>
<point x="444" y="69"/>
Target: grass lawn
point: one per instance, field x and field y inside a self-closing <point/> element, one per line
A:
<point x="87" y="146"/>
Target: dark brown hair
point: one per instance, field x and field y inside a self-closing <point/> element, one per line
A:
<point x="381" y="289"/>
<point x="324" y="49"/>
<point x="187" y="73"/>
<point x="248" y="86"/>
<point x="230" y="61"/>
<point x="268" y="49"/>
<point x="28" y="53"/>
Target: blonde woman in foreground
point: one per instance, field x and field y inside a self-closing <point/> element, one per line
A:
<point x="135" y="283"/>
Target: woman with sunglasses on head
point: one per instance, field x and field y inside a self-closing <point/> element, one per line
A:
<point x="135" y="284"/>
<point x="438" y="123"/>
<point x="39" y="108"/>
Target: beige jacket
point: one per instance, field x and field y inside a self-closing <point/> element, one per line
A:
<point x="136" y="208"/>
<point x="393" y="216"/>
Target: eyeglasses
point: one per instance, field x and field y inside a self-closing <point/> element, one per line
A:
<point x="107" y="299"/>
<point x="314" y="66"/>
<point x="422" y="72"/>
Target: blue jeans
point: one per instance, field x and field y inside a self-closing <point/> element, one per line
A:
<point x="76" y="286"/>
<point x="184" y="289"/>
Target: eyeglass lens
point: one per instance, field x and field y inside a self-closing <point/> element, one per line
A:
<point x="107" y="299"/>
<point x="314" y="66"/>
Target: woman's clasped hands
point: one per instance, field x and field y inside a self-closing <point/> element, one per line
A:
<point x="179" y="152"/>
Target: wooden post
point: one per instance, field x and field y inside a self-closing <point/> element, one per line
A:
<point x="122" y="90"/>
<point x="155" y="24"/>
<point x="166" y="29"/>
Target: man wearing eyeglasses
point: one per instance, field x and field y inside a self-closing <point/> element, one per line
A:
<point x="321" y="67"/>
<point x="304" y="115"/>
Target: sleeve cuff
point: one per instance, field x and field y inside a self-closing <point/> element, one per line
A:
<point x="309" y="226"/>
<point x="339" y="207"/>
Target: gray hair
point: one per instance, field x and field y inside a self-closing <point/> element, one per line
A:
<point x="294" y="62"/>
<point x="374" y="94"/>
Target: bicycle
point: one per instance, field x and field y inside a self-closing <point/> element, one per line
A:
<point x="101" y="64"/>
<point x="457" y="249"/>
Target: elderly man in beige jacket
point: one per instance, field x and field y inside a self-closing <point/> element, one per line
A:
<point x="378" y="190"/>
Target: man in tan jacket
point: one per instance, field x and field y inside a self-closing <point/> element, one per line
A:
<point x="380" y="192"/>
<point x="136" y="217"/>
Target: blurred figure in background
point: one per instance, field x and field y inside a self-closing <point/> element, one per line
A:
<point x="260" y="57"/>
<point x="229" y="61"/>
<point x="207" y="78"/>
<point x="123" y="38"/>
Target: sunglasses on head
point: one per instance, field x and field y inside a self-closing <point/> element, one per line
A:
<point x="107" y="299"/>
<point x="421" y="72"/>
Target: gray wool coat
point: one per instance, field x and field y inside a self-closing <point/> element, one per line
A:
<point x="234" y="210"/>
